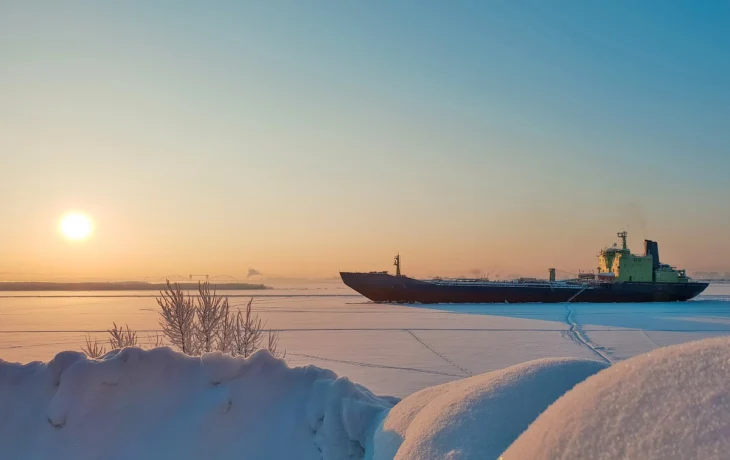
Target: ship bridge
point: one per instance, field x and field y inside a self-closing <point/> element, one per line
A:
<point x="623" y="266"/>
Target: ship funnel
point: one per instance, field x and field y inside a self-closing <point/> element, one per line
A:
<point x="652" y="248"/>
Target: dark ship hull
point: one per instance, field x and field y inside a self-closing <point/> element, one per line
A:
<point x="383" y="287"/>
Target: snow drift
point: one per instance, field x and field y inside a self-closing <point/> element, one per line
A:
<point x="478" y="417"/>
<point x="137" y="404"/>
<point x="670" y="403"/>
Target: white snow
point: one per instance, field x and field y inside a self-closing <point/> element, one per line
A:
<point x="671" y="403"/>
<point x="137" y="404"/>
<point x="477" y="417"/>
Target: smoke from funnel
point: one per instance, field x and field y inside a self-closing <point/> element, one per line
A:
<point x="635" y="216"/>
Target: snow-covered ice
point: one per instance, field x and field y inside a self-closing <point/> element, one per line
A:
<point x="137" y="404"/>
<point x="477" y="417"/>
<point x="671" y="403"/>
<point x="390" y="349"/>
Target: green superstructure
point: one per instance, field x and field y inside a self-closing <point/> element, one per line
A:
<point x="620" y="265"/>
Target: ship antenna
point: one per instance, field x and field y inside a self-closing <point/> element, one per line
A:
<point x="397" y="265"/>
<point x="623" y="236"/>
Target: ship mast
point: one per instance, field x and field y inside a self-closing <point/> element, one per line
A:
<point x="623" y="236"/>
<point x="397" y="265"/>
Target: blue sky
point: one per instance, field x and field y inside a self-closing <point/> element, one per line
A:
<point x="305" y="137"/>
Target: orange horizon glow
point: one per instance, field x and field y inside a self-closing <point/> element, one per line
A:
<point x="121" y="250"/>
<point x="218" y="140"/>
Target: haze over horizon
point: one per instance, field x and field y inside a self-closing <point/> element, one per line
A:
<point x="496" y="136"/>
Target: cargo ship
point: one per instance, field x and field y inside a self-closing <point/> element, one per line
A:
<point x="621" y="277"/>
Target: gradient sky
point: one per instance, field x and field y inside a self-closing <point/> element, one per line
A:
<point x="303" y="138"/>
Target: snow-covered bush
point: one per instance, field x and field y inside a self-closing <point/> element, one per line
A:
<point x="206" y="323"/>
<point x="93" y="349"/>
<point x="177" y="318"/>
<point x="119" y="337"/>
<point x="196" y="325"/>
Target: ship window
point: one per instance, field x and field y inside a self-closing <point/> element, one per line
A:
<point x="629" y="278"/>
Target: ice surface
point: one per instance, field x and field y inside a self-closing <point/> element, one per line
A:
<point x="391" y="349"/>
<point x="671" y="403"/>
<point x="137" y="404"/>
<point x="477" y="417"/>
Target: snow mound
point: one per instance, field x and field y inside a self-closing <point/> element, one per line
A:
<point x="672" y="403"/>
<point x="137" y="404"/>
<point x="477" y="417"/>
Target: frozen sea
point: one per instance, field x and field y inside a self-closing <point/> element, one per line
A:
<point x="391" y="349"/>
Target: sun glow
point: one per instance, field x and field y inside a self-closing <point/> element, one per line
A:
<point x="76" y="226"/>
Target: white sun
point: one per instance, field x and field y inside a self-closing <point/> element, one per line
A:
<point x="76" y="226"/>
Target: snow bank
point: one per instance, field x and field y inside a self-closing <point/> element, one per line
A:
<point x="478" y="417"/>
<point x="137" y="404"/>
<point x="670" y="403"/>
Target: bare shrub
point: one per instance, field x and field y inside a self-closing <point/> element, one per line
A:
<point x="197" y="326"/>
<point x="242" y="333"/>
<point x="273" y="345"/>
<point x="210" y="311"/>
<point x="155" y="341"/>
<point x="248" y="332"/>
<point x="121" y="338"/>
<point x="92" y="349"/>
<point x="178" y="318"/>
<point x="226" y="330"/>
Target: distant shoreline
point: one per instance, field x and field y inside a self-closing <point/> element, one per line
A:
<point x="34" y="286"/>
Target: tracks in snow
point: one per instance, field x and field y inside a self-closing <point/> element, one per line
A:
<point x="656" y="345"/>
<point x="465" y="371"/>
<point x="576" y="335"/>
<point x="378" y="366"/>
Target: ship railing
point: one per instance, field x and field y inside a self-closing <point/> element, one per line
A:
<point x="478" y="282"/>
<point x="461" y="280"/>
